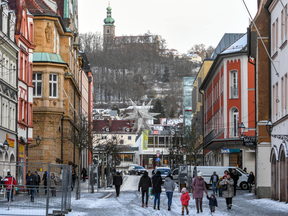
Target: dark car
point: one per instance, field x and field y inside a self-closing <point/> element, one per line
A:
<point x="138" y="170"/>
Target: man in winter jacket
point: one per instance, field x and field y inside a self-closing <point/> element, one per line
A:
<point x="144" y="184"/>
<point x="169" y="186"/>
<point x="235" y="177"/>
<point x="214" y="179"/>
<point x="33" y="182"/>
<point x="157" y="181"/>
<point x="9" y="182"/>
<point x="117" y="181"/>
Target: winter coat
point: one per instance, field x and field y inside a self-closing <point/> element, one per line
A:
<point x="117" y="180"/>
<point x="38" y="179"/>
<point x="212" y="201"/>
<point x="212" y="177"/>
<point x="198" y="187"/>
<point x="53" y="181"/>
<point x="84" y="173"/>
<point x="218" y="184"/>
<point x="8" y="180"/>
<point x="251" y="179"/>
<point x="74" y="176"/>
<point x="229" y="193"/>
<point x="169" y="184"/>
<point x="32" y="180"/>
<point x="157" y="181"/>
<point x="185" y="199"/>
<point x="145" y="182"/>
<point x="235" y="177"/>
<point x="44" y="178"/>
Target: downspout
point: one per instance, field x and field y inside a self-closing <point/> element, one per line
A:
<point x="28" y="69"/>
<point x="16" y="114"/>
<point x="62" y="120"/>
<point x="74" y="128"/>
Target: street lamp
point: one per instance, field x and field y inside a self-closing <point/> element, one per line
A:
<point x="6" y="145"/>
<point x="241" y="129"/>
<point x="269" y="127"/>
<point x="38" y="140"/>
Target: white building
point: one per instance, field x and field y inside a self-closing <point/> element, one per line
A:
<point x="8" y="86"/>
<point x="279" y="99"/>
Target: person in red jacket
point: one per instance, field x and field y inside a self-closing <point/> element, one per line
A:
<point x="185" y="200"/>
<point x="9" y="182"/>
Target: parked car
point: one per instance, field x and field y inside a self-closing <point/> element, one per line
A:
<point x="183" y="171"/>
<point x="208" y="171"/>
<point x="137" y="170"/>
<point x="164" y="172"/>
<point x="131" y="167"/>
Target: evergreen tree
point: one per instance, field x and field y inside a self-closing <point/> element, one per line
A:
<point x="166" y="74"/>
<point x="158" y="108"/>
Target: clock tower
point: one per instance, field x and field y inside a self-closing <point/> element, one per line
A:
<point x="108" y="29"/>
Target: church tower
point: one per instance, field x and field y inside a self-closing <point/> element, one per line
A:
<point x="109" y="28"/>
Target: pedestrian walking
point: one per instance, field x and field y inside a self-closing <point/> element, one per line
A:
<point x="245" y="169"/>
<point x="235" y="177"/>
<point x="144" y="184"/>
<point x="84" y="174"/>
<point x="53" y="184"/>
<point x="10" y="183"/>
<point x="117" y="181"/>
<point x="228" y="190"/>
<point x="219" y="186"/>
<point x="214" y="179"/>
<point x="74" y="177"/>
<point x="32" y="185"/>
<point x="38" y="181"/>
<point x="44" y="179"/>
<point x="169" y="186"/>
<point x="198" y="187"/>
<point x="27" y="181"/>
<point x="185" y="200"/>
<point x="156" y="182"/>
<point x="212" y="202"/>
<point x="251" y="178"/>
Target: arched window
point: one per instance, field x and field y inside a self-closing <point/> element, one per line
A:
<point x="234" y="122"/>
<point x="234" y="84"/>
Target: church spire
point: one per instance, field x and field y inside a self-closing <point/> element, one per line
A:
<point x="109" y="20"/>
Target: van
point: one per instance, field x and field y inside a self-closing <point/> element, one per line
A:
<point x="208" y="172"/>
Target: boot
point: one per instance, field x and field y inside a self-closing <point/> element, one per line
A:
<point x="142" y="205"/>
<point x="227" y="207"/>
<point x="182" y="212"/>
<point x="201" y="209"/>
<point x="169" y="208"/>
<point x="197" y="211"/>
<point x="230" y="206"/>
<point x="146" y="205"/>
<point x="158" y="207"/>
<point x="187" y="211"/>
<point x="154" y="206"/>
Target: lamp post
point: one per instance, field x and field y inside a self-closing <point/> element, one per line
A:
<point x="38" y="140"/>
<point x="269" y="127"/>
<point x="241" y="130"/>
<point x="6" y="145"/>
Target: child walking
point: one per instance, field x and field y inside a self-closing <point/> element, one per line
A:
<point x="212" y="202"/>
<point x="185" y="200"/>
<point x="219" y="186"/>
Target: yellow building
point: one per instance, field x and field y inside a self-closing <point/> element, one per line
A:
<point x="197" y="101"/>
<point x="56" y="94"/>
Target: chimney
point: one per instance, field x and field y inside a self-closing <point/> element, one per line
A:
<point x="131" y="122"/>
<point x="110" y="121"/>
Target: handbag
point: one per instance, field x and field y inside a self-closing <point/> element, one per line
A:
<point x="224" y="187"/>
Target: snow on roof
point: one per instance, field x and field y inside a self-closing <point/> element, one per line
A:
<point x="237" y="46"/>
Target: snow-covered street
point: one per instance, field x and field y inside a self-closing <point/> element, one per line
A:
<point x="129" y="203"/>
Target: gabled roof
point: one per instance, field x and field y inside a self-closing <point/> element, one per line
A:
<point x="239" y="45"/>
<point x="118" y="126"/>
<point x="226" y="40"/>
<point x="39" y="7"/>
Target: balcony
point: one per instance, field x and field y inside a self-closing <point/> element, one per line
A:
<point x="233" y="92"/>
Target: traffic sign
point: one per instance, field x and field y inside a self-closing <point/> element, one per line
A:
<point x="158" y="159"/>
<point x="158" y="155"/>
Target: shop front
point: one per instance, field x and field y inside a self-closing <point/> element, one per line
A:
<point x="151" y="161"/>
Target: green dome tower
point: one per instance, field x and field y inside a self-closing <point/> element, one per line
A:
<point x="109" y="28"/>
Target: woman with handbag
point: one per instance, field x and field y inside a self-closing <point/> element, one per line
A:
<point x="228" y="190"/>
<point x="157" y="181"/>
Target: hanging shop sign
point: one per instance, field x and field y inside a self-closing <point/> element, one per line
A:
<point x="249" y="140"/>
<point x="10" y="141"/>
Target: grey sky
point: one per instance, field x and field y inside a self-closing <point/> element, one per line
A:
<point x="182" y="23"/>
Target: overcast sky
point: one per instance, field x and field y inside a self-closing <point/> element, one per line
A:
<point x="182" y="23"/>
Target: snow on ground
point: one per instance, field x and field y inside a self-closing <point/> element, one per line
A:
<point x="129" y="203"/>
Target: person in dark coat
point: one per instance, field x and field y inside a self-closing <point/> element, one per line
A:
<point x="117" y="181"/>
<point x="144" y="184"/>
<point x="212" y="202"/>
<point x="38" y="181"/>
<point x="33" y="182"/>
<point x="157" y="181"/>
<point x="74" y="177"/>
<point x="235" y="177"/>
<point x="44" y="179"/>
<point x="214" y="179"/>
<point x="84" y="174"/>
<point x="229" y="192"/>
<point x="27" y="182"/>
<point x="251" y="178"/>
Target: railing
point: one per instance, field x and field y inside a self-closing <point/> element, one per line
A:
<point x="234" y="92"/>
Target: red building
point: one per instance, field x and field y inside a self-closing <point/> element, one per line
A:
<point x="24" y="39"/>
<point x="229" y="99"/>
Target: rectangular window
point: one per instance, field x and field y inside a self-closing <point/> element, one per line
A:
<point x="53" y="85"/>
<point x="274" y="103"/>
<point x="234" y="84"/>
<point x="282" y="96"/>
<point x="285" y="94"/>
<point x="285" y="21"/>
<point x="150" y="142"/>
<point x="161" y="141"/>
<point x="282" y="25"/>
<point x="129" y="138"/>
<point x="104" y="137"/>
<point x="276" y="100"/>
<point x="37" y="83"/>
<point x="276" y="34"/>
<point x="273" y="37"/>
